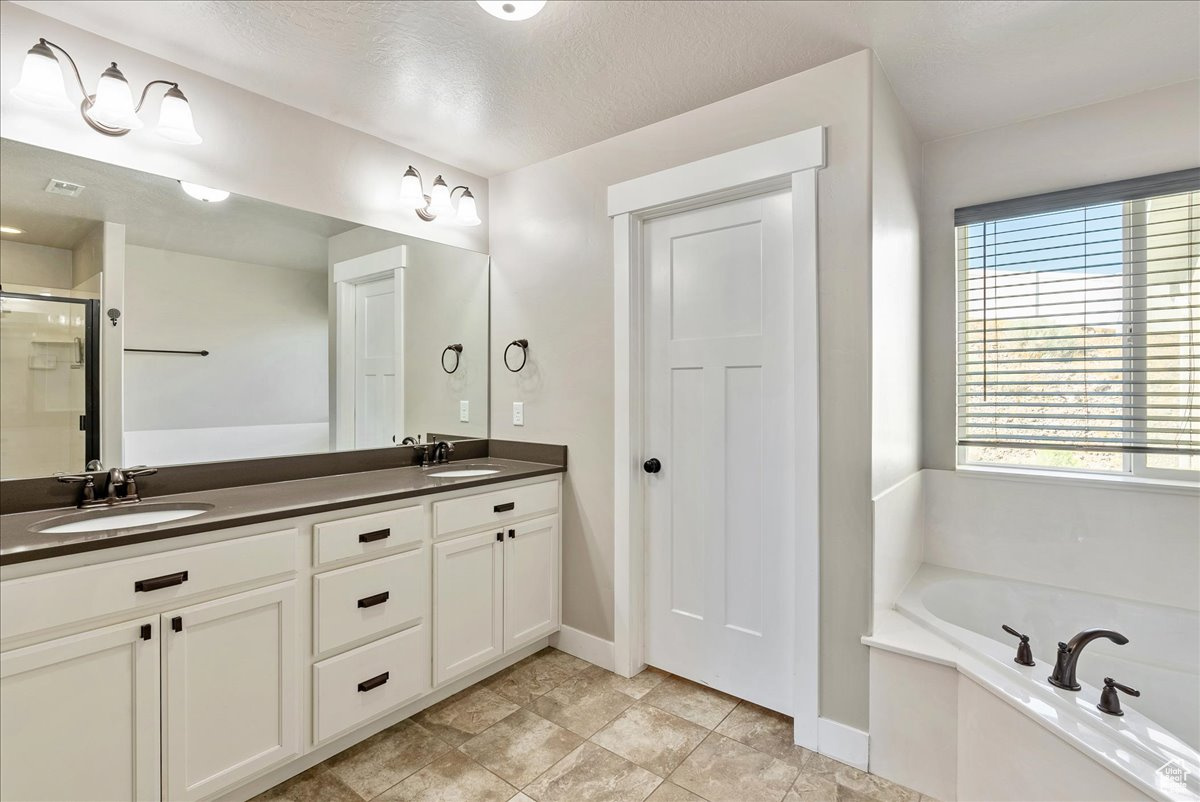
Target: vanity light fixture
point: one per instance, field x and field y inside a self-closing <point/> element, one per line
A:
<point x="439" y="202"/>
<point x="203" y="193"/>
<point x="111" y="110"/>
<point x="512" y="10"/>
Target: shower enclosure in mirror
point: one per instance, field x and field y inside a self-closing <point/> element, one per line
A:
<point x="141" y="325"/>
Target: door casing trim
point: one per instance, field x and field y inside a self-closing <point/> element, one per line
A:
<point x="791" y="160"/>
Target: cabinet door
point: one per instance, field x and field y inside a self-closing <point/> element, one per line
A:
<point x="230" y="690"/>
<point x="79" y="716"/>
<point x="468" y="573"/>
<point x="530" y="581"/>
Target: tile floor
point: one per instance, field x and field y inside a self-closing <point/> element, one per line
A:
<point x="553" y="728"/>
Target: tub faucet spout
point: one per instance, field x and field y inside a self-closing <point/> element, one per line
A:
<point x="1068" y="656"/>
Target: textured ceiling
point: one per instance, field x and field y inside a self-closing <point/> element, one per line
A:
<point x="447" y="80"/>
<point x="155" y="211"/>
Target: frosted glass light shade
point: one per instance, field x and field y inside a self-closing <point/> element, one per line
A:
<point x="175" y="119"/>
<point x="113" y="106"/>
<point x="412" y="194"/>
<point x="439" y="203"/>
<point x="467" y="213"/>
<point x="514" y="10"/>
<point x="42" y="79"/>
<point x="203" y="193"/>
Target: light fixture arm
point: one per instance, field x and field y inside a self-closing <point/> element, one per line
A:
<point x="457" y="188"/>
<point x="146" y="91"/>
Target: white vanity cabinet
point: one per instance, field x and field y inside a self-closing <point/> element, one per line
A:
<point x="209" y="666"/>
<point x="79" y="716"/>
<point x="229" y="695"/>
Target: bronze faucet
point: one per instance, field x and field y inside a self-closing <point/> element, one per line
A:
<point x="1068" y="656"/>
<point x="122" y="487"/>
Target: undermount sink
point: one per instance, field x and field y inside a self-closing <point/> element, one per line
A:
<point x="466" y="471"/>
<point x="102" y="520"/>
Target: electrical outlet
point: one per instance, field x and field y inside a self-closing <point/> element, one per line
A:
<point x="464" y="411"/>
<point x="518" y="413"/>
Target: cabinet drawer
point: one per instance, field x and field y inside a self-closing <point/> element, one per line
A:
<point x="477" y="512"/>
<point x="368" y="681"/>
<point x="373" y="534"/>
<point x="356" y="602"/>
<point x="41" y="602"/>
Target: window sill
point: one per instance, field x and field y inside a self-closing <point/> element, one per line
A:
<point x="1069" y="478"/>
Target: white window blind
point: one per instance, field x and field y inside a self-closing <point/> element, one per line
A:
<point x="1079" y="319"/>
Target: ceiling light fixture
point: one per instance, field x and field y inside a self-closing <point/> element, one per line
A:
<point x="440" y="201"/>
<point x="111" y="110"/>
<point x="512" y="10"/>
<point x="11" y="230"/>
<point x="203" y="193"/>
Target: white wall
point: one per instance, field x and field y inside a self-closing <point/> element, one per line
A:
<point x="895" y="290"/>
<point x="34" y="265"/>
<point x="552" y="283"/>
<point x="1135" y="543"/>
<point x="265" y="328"/>
<point x="252" y="145"/>
<point x="1143" y="134"/>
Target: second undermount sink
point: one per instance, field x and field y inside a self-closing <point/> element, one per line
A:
<point x="466" y="471"/>
<point x="103" y="520"/>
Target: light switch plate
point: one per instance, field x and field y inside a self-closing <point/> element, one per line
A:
<point x="464" y="411"/>
<point x="518" y="413"/>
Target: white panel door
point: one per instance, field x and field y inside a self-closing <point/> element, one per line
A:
<point x="230" y="690"/>
<point x="79" y="716"/>
<point x="468" y="603"/>
<point x="377" y="390"/>
<point x="530" y="581"/>
<point x="719" y="405"/>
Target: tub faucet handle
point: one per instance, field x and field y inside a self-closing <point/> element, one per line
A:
<point x="1110" y="700"/>
<point x="1024" y="653"/>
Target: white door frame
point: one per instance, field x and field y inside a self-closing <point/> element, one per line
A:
<point x="788" y="160"/>
<point x="361" y="270"/>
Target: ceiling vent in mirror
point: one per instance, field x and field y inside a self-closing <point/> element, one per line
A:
<point x="110" y="110"/>
<point x="512" y="10"/>
<point x="59" y="187"/>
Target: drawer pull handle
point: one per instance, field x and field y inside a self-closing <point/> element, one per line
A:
<point x="146" y="632"/>
<point x="372" y="683"/>
<point x="371" y="537"/>
<point x="371" y="601"/>
<point x="160" y="582"/>
<point x="512" y="534"/>
<point x="509" y="507"/>
<point x="177" y="624"/>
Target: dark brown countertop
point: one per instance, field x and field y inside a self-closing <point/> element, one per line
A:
<point x="239" y="506"/>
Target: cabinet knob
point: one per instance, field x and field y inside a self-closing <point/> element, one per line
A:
<point x="652" y="465"/>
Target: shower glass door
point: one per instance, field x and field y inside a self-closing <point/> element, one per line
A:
<point x="49" y="384"/>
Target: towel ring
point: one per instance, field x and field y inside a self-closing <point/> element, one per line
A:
<point x="457" y="349"/>
<point x="524" y="346"/>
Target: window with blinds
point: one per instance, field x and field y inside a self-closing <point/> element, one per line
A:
<point x="1079" y="328"/>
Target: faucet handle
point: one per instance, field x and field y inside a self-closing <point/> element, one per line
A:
<point x="1110" y="700"/>
<point x="67" y="478"/>
<point x="1024" y="653"/>
<point x="139" y="470"/>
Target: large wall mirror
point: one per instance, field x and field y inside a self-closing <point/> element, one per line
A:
<point x="142" y="325"/>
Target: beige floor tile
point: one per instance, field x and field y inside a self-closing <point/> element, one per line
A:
<point x="808" y="788"/>
<point x="528" y="679"/>
<point x="637" y="687"/>
<point x="520" y="747"/>
<point x="652" y="738"/>
<point x="723" y="770"/>
<point x="384" y="759"/>
<point x="593" y="774"/>
<point x="563" y="660"/>
<point x="766" y="731"/>
<point x="697" y="703"/>
<point x="465" y="714"/>
<point x="583" y="704"/>
<point x="670" y="792"/>
<point x="520" y="797"/>
<point x="857" y="784"/>
<point x="314" y="785"/>
<point x="454" y="777"/>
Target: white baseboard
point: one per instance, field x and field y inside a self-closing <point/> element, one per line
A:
<point x="842" y="742"/>
<point x="586" y="647"/>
